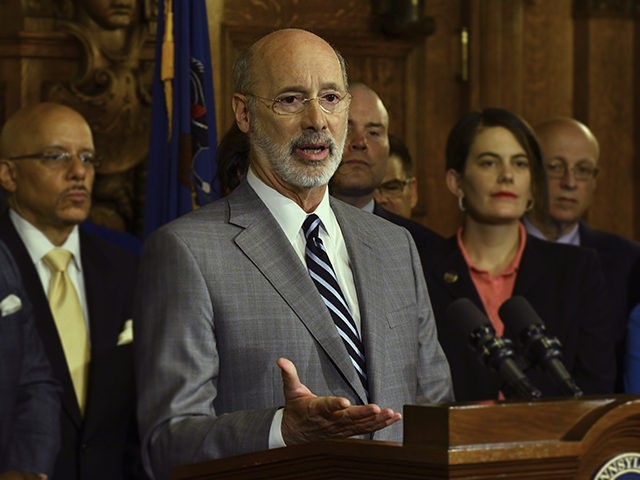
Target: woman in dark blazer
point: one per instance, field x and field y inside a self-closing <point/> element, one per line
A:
<point x="494" y="168"/>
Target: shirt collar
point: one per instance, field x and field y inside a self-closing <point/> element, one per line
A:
<point x="38" y="245"/>
<point x="369" y="206"/>
<point x="288" y="213"/>
<point x="515" y="263"/>
<point x="572" y="237"/>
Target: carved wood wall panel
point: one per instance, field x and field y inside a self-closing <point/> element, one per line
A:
<point x="547" y="79"/>
<point x="78" y="52"/>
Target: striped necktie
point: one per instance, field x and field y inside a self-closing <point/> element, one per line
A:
<point x="69" y="318"/>
<point x="323" y="275"/>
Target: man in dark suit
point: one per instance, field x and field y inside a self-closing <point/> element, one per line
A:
<point x="47" y="168"/>
<point x="364" y="163"/>
<point x="571" y="156"/>
<point x="398" y="192"/>
<point x="233" y="298"/>
<point x="29" y="395"/>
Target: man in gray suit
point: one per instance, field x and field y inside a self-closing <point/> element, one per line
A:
<point x="236" y="349"/>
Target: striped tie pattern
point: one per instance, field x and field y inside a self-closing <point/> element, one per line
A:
<point x="324" y="277"/>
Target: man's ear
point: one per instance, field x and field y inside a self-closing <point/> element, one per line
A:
<point x="414" y="192"/>
<point x="241" y="111"/>
<point x="8" y="175"/>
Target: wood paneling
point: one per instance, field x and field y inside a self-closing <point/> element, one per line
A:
<point x="567" y="57"/>
<point x="634" y="202"/>
<point x="604" y="92"/>
<point x="547" y="80"/>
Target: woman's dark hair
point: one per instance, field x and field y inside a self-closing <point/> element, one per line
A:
<point x="468" y="127"/>
<point x="233" y="159"/>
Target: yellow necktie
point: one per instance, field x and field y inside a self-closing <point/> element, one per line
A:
<point x="70" y="322"/>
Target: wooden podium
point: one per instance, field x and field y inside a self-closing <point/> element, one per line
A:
<point x="594" y="437"/>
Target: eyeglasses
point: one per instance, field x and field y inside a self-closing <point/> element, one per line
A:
<point x="292" y="103"/>
<point x="394" y="188"/>
<point x="58" y="159"/>
<point x="581" y="171"/>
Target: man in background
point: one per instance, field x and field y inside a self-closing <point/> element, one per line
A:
<point x="398" y="192"/>
<point x="79" y="285"/>
<point x="572" y="161"/>
<point x="364" y="164"/>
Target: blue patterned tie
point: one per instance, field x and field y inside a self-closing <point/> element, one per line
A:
<point x="324" y="277"/>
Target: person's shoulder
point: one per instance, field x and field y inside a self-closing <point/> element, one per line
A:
<point x="95" y="243"/>
<point x="363" y="219"/>
<point x="112" y="237"/>
<point x="602" y="240"/>
<point x="419" y="232"/>
<point x="559" y="252"/>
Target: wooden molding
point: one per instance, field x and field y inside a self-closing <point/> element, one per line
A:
<point x="609" y="8"/>
<point x="53" y="45"/>
<point x="348" y="42"/>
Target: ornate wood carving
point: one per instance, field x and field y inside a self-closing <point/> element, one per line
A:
<point x="112" y="90"/>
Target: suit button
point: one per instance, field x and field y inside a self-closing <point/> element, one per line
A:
<point x="84" y="446"/>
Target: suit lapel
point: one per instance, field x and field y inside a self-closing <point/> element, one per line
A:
<point x="264" y="243"/>
<point x="529" y="272"/>
<point x="104" y="326"/>
<point x="101" y="290"/>
<point x="368" y="276"/>
<point x="451" y="271"/>
<point x="44" y="320"/>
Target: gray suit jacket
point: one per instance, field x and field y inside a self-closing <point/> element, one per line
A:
<point x="222" y="295"/>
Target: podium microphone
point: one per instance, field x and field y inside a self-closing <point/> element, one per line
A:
<point x="494" y="352"/>
<point x="522" y="322"/>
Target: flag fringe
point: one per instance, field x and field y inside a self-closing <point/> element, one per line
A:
<point x="167" y="68"/>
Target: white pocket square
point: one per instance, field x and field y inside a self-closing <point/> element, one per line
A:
<point x="126" y="335"/>
<point x="10" y="304"/>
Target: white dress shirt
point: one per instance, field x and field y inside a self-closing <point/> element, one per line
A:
<point x="38" y="245"/>
<point x="290" y="217"/>
<point x="572" y="237"/>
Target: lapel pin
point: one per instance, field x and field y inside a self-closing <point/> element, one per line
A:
<point x="450" y="277"/>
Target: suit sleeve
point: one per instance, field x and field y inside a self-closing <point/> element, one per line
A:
<point x="178" y="363"/>
<point x="434" y="374"/>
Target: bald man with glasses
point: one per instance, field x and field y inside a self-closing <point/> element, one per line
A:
<point x="79" y="285"/>
<point x="572" y="161"/>
<point x="364" y="164"/>
<point x="279" y="315"/>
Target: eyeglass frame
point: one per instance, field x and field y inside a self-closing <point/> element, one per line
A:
<point x="594" y="169"/>
<point x="405" y="183"/>
<point x="94" y="162"/>
<point x="271" y="103"/>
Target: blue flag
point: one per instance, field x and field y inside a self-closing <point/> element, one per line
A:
<point x="182" y="165"/>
